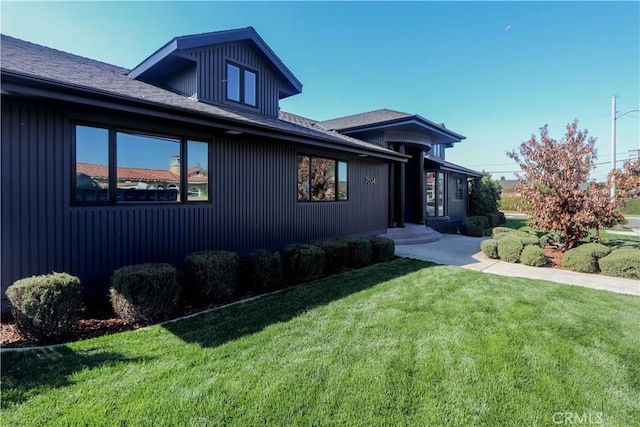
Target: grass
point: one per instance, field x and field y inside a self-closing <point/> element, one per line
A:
<point x="400" y="343"/>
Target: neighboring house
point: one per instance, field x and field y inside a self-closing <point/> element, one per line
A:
<point x="85" y="147"/>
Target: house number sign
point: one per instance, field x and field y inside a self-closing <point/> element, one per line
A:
<point x="370" y="180"/>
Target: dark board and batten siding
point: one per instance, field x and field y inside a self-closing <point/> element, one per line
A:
<point x="184" y="83"/>
<point x="212" y="75"/>
<point x="253" y="204"/>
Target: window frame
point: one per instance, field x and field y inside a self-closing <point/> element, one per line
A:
<point x="112" y="165"/>
<point x="242" y="69"/>
<point x="337" y="177"/>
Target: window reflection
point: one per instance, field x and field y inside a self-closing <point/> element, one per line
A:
<point x="92" y="164"/>
<point x="197" y="172"/>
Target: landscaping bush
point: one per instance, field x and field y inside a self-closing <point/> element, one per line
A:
<point x="382" y="249"/>
<point x="502" y="219"/>
<point x="336" y="255"/>
<point x="145" y="293"/>
<point x="490" y="248"/>
<point x="494" y="219"/>
<point x="510" y="248"/>
<point x="475" y="225"/>
<point x="211" y="275"/>
<point x="303" y="263"/>
<point x="360" y="251"/>
<point x="500" y="232"/>
<point x="45" y="306"/>
<point x="584" y="258"/>
<point x="262" y="271"/>
<point x="623" y="262"/>
<point x="533" y="255"/>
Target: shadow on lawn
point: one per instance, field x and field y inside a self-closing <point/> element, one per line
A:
<point x="28" y="374"/>
<point x="230" y="323"/>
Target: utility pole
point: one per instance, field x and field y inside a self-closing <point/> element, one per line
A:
<point x="613" y="139"/>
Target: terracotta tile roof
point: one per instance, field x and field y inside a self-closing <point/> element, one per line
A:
<point x="135" y="174"/>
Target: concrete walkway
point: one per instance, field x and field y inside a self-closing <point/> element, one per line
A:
<point x="464" y="251"/>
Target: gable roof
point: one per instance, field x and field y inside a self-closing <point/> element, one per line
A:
<point x="168" y="56"/>
<point x="386" y="119"/>
<point x="27" y="68"/>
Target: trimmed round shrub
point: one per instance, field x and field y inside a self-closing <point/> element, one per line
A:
<point x="211" y="275"/>
<point x="510" y="248"/>
<point x="502" y="219"/>
<point x="47" y="305"/>
<point x="262" y="271"/>
<point x="382" y="249"/>
<point x="529" y="240"/>
<point x="145" y="293"/>
<point x="623" y="262"/>
<point x="303" y="263"/>
<point x="490" y="248"/>
<point x="500" y="232"/>
<point x="336" y="255"/>
<point x="360" y="251"/>
<point x="475" y="225"/>
<point x="584" y="258"/>
<point x="494" y="219"/>
<point x="533" y="255"/>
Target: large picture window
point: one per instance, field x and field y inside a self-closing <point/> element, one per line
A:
<point x="114" y="166"/>
<point x="322" y="179"/>
<point x="241" y="85"/>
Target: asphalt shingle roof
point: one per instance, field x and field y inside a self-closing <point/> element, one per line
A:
<point x="24" y="59"/>
<point x="362" y="119"/>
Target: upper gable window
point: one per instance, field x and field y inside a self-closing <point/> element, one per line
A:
<point x="241" y="85"/>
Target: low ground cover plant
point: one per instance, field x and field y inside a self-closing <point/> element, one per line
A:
<point x="145" y="293"/>
<point x="47" y="305"/>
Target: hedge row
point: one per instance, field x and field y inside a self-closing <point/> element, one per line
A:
<point x="49" y="305"/>
<point x="631" y="207"/>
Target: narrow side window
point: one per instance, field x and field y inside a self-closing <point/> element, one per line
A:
<point x="92" y="164"/>
<point x="198" y="171"/>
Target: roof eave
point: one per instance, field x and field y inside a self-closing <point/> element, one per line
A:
<point x="206" y="119"/>
<point x="427" y="124"/>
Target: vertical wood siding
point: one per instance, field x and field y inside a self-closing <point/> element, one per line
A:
<point x="184" y="83"/>
<point x="212" y="75"/>
<point x="253" y="204"/>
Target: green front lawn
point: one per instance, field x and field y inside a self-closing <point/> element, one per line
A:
<point x="401" y="343"/>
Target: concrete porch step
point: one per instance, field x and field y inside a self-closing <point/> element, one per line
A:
<point x="412" y="234"/>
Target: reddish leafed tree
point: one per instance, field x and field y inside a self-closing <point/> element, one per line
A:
<point x="555" y="187"/>
<point x="628" y="179"/>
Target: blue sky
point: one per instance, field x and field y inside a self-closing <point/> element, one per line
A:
<point x="492" y="71"/>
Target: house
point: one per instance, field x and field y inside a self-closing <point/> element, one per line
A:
<point x="104" y="166"/>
